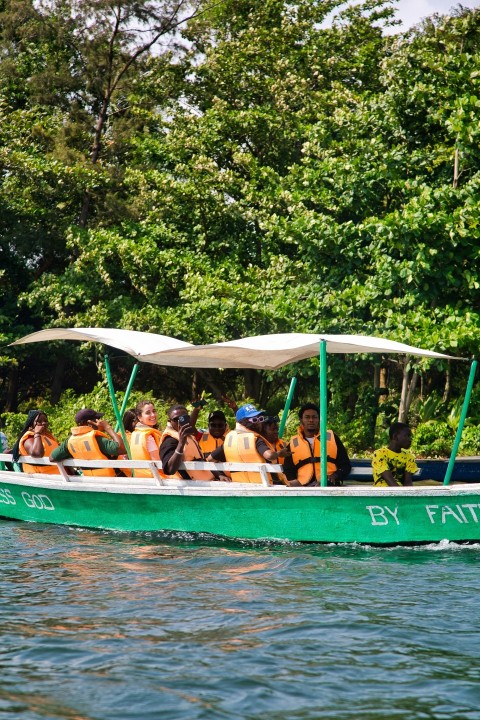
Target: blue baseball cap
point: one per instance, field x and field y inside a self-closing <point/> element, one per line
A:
<point x="247" y="411"/>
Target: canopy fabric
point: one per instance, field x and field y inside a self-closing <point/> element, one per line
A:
<point x="267" y="352"/>
<point x="270" y="352"/>
<point x="130" y="341"/>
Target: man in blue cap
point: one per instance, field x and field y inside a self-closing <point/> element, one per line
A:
<point x="245" y="444"/>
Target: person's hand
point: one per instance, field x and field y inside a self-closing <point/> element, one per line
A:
<point x="39" y="428"/>
<point x="199" y="403"/>
<point x="231" y="403"/>
<point x="183" y="432"/>
<point x="100" y="425"/>
<point x="284" y="452"/>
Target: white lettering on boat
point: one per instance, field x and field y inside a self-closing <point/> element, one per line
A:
<point x="379" y="516"/>
<point x="41" y="502"/>
<point x="6" y="497"/>
<point x="440" y="513"/>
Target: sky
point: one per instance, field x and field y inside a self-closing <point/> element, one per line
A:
<point x="411" y="12"/>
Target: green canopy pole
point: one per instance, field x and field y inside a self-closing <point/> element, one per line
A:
<point x="115" y="407"/>
<point x="286" y="409"/>
<point x="461" y="423"/>
<point x="127" y="394"/>
<point x="323" y="413"/>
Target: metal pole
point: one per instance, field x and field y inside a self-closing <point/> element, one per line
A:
<point x="461" y="423"/>
<point x="114" y="405"/>
<point x="286" y="409"/>
<point x="127" y="393"/>
<point x="323" y="413"/>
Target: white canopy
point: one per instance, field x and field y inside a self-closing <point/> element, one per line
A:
<point x="130" y="341"/>
<point x="267" y="352"/>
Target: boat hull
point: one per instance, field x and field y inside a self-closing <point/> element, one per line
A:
<point x="350" y="514"/>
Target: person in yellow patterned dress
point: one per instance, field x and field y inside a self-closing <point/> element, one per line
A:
<point x="394" y="465"/>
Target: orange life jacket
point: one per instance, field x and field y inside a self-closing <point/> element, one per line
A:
<point x="139" y="450"/>
<point x="191" y="452"/>
<point x="241" y="447"/>
<point x="83" y="445"/>
<point x="279" y="445"/>
<point x="307" y="460"/>
<point x="208" y="443"/>
<point x="49" y="444"/>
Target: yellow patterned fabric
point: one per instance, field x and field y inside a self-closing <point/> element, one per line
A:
<point x="397" y="462"/>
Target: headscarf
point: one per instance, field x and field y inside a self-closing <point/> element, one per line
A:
<point x="29" y="423"/>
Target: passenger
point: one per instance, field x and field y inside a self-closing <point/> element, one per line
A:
<point x="36" y="440"/>
<point x="90" y="441"/>
<point x="3" y="442"/>
<point x="145" y="438"/>
<point x="394" y="465"/>
<point x="179" y="445"/>
<point x="270" y="433"/>
<point x="246" y="444"/>
<point x="215" y="435"/>
<point x="302" y="468"/>
<point x="129" y="421"/>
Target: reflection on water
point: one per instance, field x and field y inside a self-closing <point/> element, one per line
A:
<point x="100" y="626"/>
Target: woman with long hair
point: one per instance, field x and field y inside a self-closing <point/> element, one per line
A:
<point x="35" y="440"/>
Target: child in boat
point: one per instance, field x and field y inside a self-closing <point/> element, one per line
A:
<point x="394" y="465"/>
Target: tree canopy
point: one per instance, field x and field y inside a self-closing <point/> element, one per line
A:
<point x="220" y="169"/>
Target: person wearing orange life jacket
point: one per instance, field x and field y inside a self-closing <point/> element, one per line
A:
<point x="179" y="444"/>
<point x="91" y="439"/>
<point x="145" y="437"/>
<point x="36" y="440"/>
<point x="302" y="468"/>
<point x="246" y="444"/>
<point x="215" y="435"/>
<point x="270" y="433"/>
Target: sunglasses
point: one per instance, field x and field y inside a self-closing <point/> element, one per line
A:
<point x="272" y="419"/>
<point x="258" y="419"/>
<point x="217" y="424"/>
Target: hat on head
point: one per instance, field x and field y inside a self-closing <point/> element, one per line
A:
<point x="217" y="414"/>
<point x="247" y="411"/>
<point x="86" y="414"/>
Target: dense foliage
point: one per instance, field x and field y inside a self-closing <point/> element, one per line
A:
<point x="211" y="170"/>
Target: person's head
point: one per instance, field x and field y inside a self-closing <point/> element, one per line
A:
<point x="175" y="412"/>
<point x="270" y="429"/>
<point x="34" y="417"/>
<point x="87" y="416"/>
<point x="400" y="435"/>
<point x="129" y="420"/>
<point x="217" y="424"/>
<point x="249" y="416"/>
<point x="39" y="418"/>
<point x="145" y="413"/>
<point x="309" y="415"/>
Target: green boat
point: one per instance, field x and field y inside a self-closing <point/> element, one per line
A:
<point x="429" y="512"/>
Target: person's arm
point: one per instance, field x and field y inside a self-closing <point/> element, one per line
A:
<point x="60" y="453"/>
<point x="34" y="446"/>
<point x="407" y="478"/>
<point x="268" y="454"/>
<point x="289" y="469"/>
<point x="171" y="451"/>
<point x="217" y="455"/>
<point x="342" y="462"/>
<point x="104" y="426"/>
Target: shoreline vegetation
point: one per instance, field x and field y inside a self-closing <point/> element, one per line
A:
<point x="235" y="168"/>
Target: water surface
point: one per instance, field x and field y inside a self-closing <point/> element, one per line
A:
<point x="106" y="626"/>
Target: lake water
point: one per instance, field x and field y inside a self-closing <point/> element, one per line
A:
<point x="100" y="626"/>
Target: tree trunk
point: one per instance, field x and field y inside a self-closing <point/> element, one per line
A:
<point x="12" y="389"/>
<point x="448" y="382"/>
<point x="408" y="388"/>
